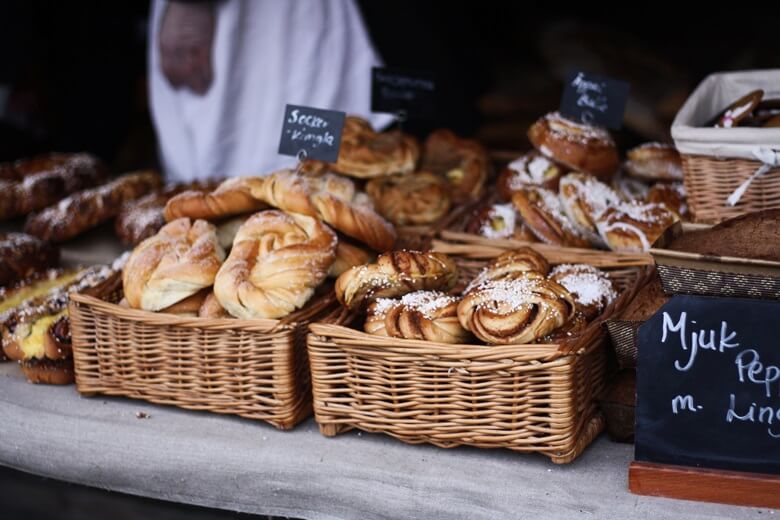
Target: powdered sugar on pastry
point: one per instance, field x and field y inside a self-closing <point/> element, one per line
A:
<point x="424" y="302"/>
<point x="500" y="223"/>
<point x="587" y="284"/>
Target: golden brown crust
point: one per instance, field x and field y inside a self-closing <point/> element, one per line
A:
<point x="518" y="310"/>
<point x="286" y="190"/>
<point x="189" y="306"/>
<point x="232" y="197"/>
<point x="412" y="199"/>
<point x="671" y="195"/>
<point x="464" y="163"/>
<point x="211" y="308"/>
<point x="22" y="256"/>
<point x="348" y="256"/>
<point x="394" y="274"/>
<point x="530" y="169"/>
<point x="365" y="153"/>
<point x="634" y="226"/>
<point x="356" y="219"/>
<point x="47" y="372"/>
<point x="180" y="260"/>
<point x="653" y="162"/>
<point x="422" y="315"/>
<point x="86" y="209"/>
<point x="277" y="261"/>
<point x="542" y="211"/>
<point x="584" y="198"/>
<point x="577" y="146"/>
<point x="739" y="109"/>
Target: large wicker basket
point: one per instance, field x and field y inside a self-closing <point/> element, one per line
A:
<point x="530" y="398"/>
<point x="253" y="368"/>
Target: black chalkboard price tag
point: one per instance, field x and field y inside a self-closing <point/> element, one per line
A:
<point x="311" y="133"/>
<point x="409" y="92"/>
<point x="594" y="100"/>
<point x="708" y="385"/>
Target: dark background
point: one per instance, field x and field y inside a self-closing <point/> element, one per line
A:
<point x="76" y="77"/>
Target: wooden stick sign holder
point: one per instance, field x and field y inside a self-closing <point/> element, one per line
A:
<point x="704" y="485"/>
<point x="708" y="402"/>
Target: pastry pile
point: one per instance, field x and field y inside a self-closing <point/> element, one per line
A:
<point x="515" y="299"/>
<point x="590" y="206"/>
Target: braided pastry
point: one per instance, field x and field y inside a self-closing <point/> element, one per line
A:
<point x="511" y="265"/>
<point x="463" y="162"/>
<point x="425" y="315"/>
<point x="584" y="198"/>
<point x="519" y="310"/>
<point x="412" y="199"/>
<point x="591" y="288"/>
<point x="365" y="153"/>
<point x="232" y="197"/>
<point x="276" y="262"/>
<point x="180" y="260"/>
<point x="634" y="226"/>
<point x="394" y="274"/>
<point x="577" y="146"/>
<point x="531" y="169"/>
<point x="543" y="213"/>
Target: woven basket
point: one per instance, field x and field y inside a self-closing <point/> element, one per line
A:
<point x="529" y="398"/>
<point x="709" y="181"/>
<point x="253" y="368"/>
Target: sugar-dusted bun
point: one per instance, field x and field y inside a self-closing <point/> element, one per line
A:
<point x="412" y="199"/>
<point x="394" y="274"/>
<point x="511" y="264"/>
<point x="365" y="153"/>
<point x="177" y="262"/>
<point x="584" y="198"/>
<point x="591" y="288"/>
<point x="670" y="194"/>
<point x="543" y="213"/>
<point x="463" y="162"/>
<point x="499" y="221"/>
<point x="579" y="147"/>
<point x="634" y="226"/>
<point x="232" y="197"/>
<point x="530" y="169"/>
<point x="424" y="315"/>
<point x="654" y="162"/>
<point x="277" y="261"/>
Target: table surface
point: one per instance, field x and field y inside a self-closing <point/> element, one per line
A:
<point x="243" y="465"/>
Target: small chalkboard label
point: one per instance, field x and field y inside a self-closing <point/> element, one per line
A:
<point x="311" y="133"/>
<point x="411" y="92"/>
<point x="594" y="100"/>
<point x="708" y="384"/>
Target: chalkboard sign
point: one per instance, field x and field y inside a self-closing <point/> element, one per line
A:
<point x="708" y="384"/>
<point x="407" y="91"/>
<point x="312" y="133"/>
<point x="594" y="100"/>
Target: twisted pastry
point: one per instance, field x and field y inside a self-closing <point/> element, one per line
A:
<point x="365" y="153"/>
<point x="463" y="162"/>
<point x="416" y="198"/>
<point x="634" y="226"/>
<point x="425" y="315"/>
<point x="232" y="197"/>
<point x="394" y="274"/>
<point x="584" y="198"/>
<point x="511" y="265"/>
<point x="519" y="310"/>
<point x="591" y="287"/>
<point x="347" y="257"/>
<point x="543" y="213"/>
<point x="180" y="260"/>
<point x="276" y="262"/>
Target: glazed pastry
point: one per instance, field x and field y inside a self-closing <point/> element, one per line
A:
<point x="634" y="226"/>
<point x="518" y="310"/>
<point x="654" y="162"/>
<point x="413" y="199"/>
<point x="591" y="288"/>
<point x="365" y="153"/>
<point x="499" y="221"/>
<point x="531" y="169"/>
<point x="543" y="213"/>
<point x="348" y="256"/>
<point x="232" y="197"/>
<point x="86" y="209"/>
<point x="739" y="110"/>
<point x="33" y="185"/>
<point x="142" y="218"/>
<point x="584" y="199"/>
<point x="463" y="162"/>
<point x="394" y="274"/>
<point x="277" y="261"/>
<point x="511" y="265"/>
<point x="423" y="315"/>
<point x="21" y="256"/>
<point x="577" y="146"/>
<point x="177" y="262"/>
<point x="671" y="195"/>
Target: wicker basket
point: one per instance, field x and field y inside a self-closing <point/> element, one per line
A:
<point x="253" y="368"/>
<point x="530" y="398"/>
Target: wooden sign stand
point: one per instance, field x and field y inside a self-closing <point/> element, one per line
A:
<point x="704" y="485"/>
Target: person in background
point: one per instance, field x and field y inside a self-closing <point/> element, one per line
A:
<point x="221" y="73"/>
